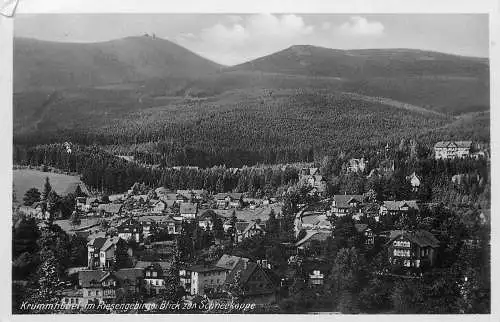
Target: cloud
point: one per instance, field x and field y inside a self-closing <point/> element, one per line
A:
<point x="360" y="26"/>
<point x="248" y="37"/>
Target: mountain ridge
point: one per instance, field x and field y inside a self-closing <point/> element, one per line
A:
<point x="39" y="63"/>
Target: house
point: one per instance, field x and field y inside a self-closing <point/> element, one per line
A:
<point x="248" y="229"/>
<point x="311" y="237"/>
<point x="174" y="227"/>
<point x="366" y="232"/>
<point x="130" y="229"/>
<point x="235" y="200"/>
<point x="98" y="286"/>
<point x="108" y="250"/>
<point x="312" y="177"/>
<point x="357" y="165"/>
<point x="72" y="297"/>
<point x="312" y="220"/>
<point x="206" y="278"/>
<point x="154" y="275"/>
<point x="163" y="191"/>
<point x="414" y="181"/>
<point x="230" y="262"/>
<point x="316" y="278"/>
<point x="169" y="199"/>
<point x="93" y="250"/>
<point x="452" y="149"/>
<point x="188" y="210"/>
<point x="80" y="203"/>
<point x="158" y="206"/>
<point x="180" y="199"/>
<point x="412" y="248"/>
<point x="206" y="221"/>
<point x="110" y="209"/>
<point x="229" y="200"/>
<point x="192" y="195"/>
<point x="185" y="278"/>
<point x="31" y="212"/>
<point x="398" y="207"/>
<point x="256" y="281"/>
<point x="149" y="226"/>
<point x="166" y="247"/>
<point x="345" y="204"/>
<point x="221" y="200"/>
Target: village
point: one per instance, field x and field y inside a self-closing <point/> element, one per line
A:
<point x="155" y="244"/>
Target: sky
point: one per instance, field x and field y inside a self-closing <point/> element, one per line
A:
<point x="231" y="39"/>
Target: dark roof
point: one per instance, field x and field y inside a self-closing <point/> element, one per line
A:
<point x="396" y="205"/>
<point x="343" y="201"/>
<point x="86" y="277"/>
<point x="131" y="222"/>
<point x="73" y="186"/>
<point x="164" y="266"/>
<point x="361" y="227"/>
<point x="205" y="268"/>
<point x="71" y="292"/>
<point x="130" y="274"/>
<point x="241" y="226"/>
<point x="245" y="272"/>
<point x="220" y="196"/>
<point x="112" y="208"/>
<point x="83" y="234"/>
<point x="97" y="242"/>
<point x="422" y="238"/>
<point x="459" y="144"/>
<point x="235" y="195"/>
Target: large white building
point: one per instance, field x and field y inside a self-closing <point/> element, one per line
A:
<point x="452" y="149"/>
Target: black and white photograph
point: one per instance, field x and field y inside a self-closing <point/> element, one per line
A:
<point x="250" y="163"/>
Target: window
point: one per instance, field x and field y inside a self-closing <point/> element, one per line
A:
<point x="406" y="263"/>
<point x="97" y="293"/>
<point x="148" y="273"/>
<point x="90" y="293"/>
<point x="66" y="301"/>
<point x="402" y="252"/>
<point x="401" y="243"/>
<point x="155" y="274"/>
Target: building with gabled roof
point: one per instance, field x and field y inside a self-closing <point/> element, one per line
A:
<point x="344" y="204"/>
<point x="452" y="149"/>
<point x="130" y="229"/>
<point x="248" y="229"/>
<point x="412" y="248"/>
<point x="99" y="286"/>
<point x="206" y="278"/>
<point x="398" y="207"/>
<point x="257" y="282"/>
<point x="366" y="232"/>
<point x="110" y="209"/>
<point x="188" y="210"/>
<point x="357" y="165"/>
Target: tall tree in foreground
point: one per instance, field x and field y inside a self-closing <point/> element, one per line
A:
<point x="47" y="188"/>
<point x="31" y="196"/>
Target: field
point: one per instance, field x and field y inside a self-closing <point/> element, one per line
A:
<point x="26" y="179"/>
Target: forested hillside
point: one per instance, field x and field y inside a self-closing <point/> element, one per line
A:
<point x="167" y="106"/>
